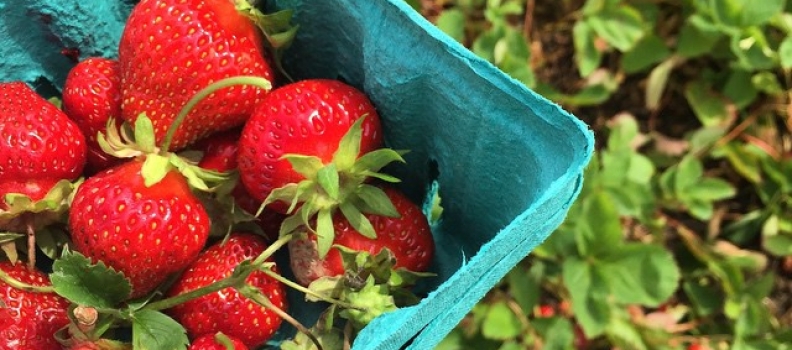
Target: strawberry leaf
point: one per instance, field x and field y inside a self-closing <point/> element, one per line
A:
<point x="327" y="177"/>
<point x="144" y="134"/>
<point x="377" y="159"/>
<point x="50" y="241"/>
<point x="154" y="169"/>
<point x="6" y="237"/>
<point x="10" y="250"/>
<point x="96" y="285"/>
<point x="153" y="330"/>
<point x="306" y="166"/>
<point x="349" y="146"/>
<point x="373" y="299"/>
<point x="375" y="201"/>
<point x="358" y="220"/>
<point x="325" y="232"/>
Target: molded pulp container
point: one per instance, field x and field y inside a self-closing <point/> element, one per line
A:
<point x="507" y="163"/>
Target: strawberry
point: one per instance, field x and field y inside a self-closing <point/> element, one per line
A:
<point x="220" y="154"/>
<point x="408" y="238"/>
<point x="227" y="310"/>
<point x="29" y="320"/>
<point x="217" y="341"/>
<point x="145" y="232"/>
<point x="41" y="151"/>
<point x="91" y="96"/>
<point x="170" y="50"/>
<point x="308" y="118"/>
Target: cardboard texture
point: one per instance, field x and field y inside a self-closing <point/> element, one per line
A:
<point x="506" y="162"/>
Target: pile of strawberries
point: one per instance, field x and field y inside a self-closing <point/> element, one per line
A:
<point x="148" y="210"/>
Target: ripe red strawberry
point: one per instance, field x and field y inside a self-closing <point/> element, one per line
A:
<point x="29" y="320"/>
<point x="211" y="342"/>
<point x="171" y="49"/>
<point x="147" y="233"/>
<point x="226" y="310"/>
<point x="41" y="151"/>
<point x="309" y="118"/>
<point x="91" y="96"/>
<point x="220" y="154"/>
<point x="408" y="237"/>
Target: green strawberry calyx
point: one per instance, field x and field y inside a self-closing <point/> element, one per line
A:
<point x="341" y="185"/>
<point x="158" y="160"/>
<point x="276" y="28"/>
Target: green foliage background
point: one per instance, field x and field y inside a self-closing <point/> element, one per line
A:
<point x="682" y="236"/>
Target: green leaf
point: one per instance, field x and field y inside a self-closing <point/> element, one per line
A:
<point x="588" y="290"/>
<point x="785" y="52"/>
<point x="144" y="134"/>
<point x="328" y="179"/>
<point x="587" y="56"/>
<point x="740" y="89"/>
<point x="501" y="323"/>
<point x="641" y="274"/>
<point x="601" y="232"/>
<point x="153" y="330"/>
<point x="753" y="50"/>
<point x="757" y="13"/>
<point x="358" y="220"/>
<point x="349" y="146"/>
<point x="688" y="173"/>
<point x="376" y="201"/>
<point x="711" y="189"/>
<point x="621" y="26"/>
<point x="657" y="82"/>
<point x="523" y="287"/>
<point x="77" y="279"/>
<point x="325" y="233"/>
<point x="557" y="334"/>
<point x="154" y="169"/>
<point x="6" y="237"/>
<point x="704" y="294"/>
<point x="375" y="160"/>
<point x="307" y="166"/>
<point x="696" y="39"/>
<point x="50" y="241"/>
<point x="779" y="245"/>
<point x="626" y="334"/>
<point x="452" y="22"/>
<point x="650" y="50"/>
<point x="710" y="109"/>
<point x="767" y="82"/>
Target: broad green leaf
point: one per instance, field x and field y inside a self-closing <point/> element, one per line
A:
<point x="753" y="319"/>
<point x="589" y="291"/>
<point x="745" y="162"/>
<point x="154" y="330"/>
<point x="711" y="189"/>
<point x="523" y="287"/>
<point x="757" y="13"/>
<point x="557" y="334"/>
<point x="623" y="133"/>
<point x="779" y="245"/>
<point x="700" y="209"/>
<point x="641" y="169"/>
<point x="740" y="89"/>
<point x="484" y="45"/>
<point x="657" y="82"/>
<point x="588" y="96"/>
<point x="77" y="279"/>
<point x="587" y="56"/>
<point x="512" y="55"/>
<point x="727" y="12"/>
<point x="452" y="21"/>
<point x="703" y="138"/>
<point x="601" y="232"/>
<point x="768" y="83"/>
<point x="785" y="52"/>
<point x="710" y="109"/>
<point x="753" y="50"/>
<point x="696" y="39"/>
<point x="501" y="323"/>
<point x="650" y="50"/>
<point x="704" y="294"/>
<point x="621" y="26"/>
<point x="641" y="274"/>
<point x="688" y="174"/>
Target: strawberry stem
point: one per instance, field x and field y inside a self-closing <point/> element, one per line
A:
<point x="236" y="279"/>
<point x="203" y="93"/>
<point x="17" y="284"/>
<point x="256" y="296"/>
<point x="310" y="292"/>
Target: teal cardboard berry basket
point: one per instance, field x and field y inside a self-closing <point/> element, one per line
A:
<point x="506" y="162"/>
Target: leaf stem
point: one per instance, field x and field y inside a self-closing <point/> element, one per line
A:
<point x="258" y="297"/>
<point x="310" y="292"/>
<point x="234" y="280"/>
<point x="17" y="284"/>
<point x="203" y="93"/>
